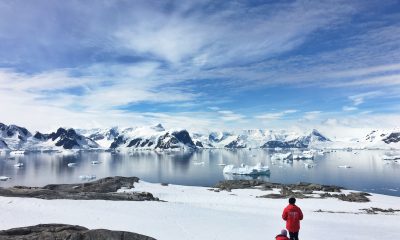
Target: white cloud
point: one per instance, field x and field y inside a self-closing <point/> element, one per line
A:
<point x="230" y="115"/>
<point x="349" y="108"/>
<point x="312" y="115"/>
<point x="275" y="115"/>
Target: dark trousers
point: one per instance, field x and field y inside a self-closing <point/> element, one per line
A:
<point x="294" y="235"/>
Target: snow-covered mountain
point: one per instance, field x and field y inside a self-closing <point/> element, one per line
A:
<point x="65" y="138"/>
<point x="158" y="138"/>
<point x="103" y="137"/>
<point x="19" y="138"/>
<point x="13" y="136"/>
<point x="382" y="139"/>
<point x="152" y="137"/>
<point x="313" y="139"/>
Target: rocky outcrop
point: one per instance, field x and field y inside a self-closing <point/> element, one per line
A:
<point x="178" y="139"/>
<point x="235" y="144"/>
<point x="102" y="189"/>
<point x="3" y="145"/>
<point x="67" y="232"/>
<point x="14" y="130"/>
<point x="299" y="190"/>
<point x="392" y="138"/>
<point x="304" y="187"/>
<point x="351" y="197"/>
<point x="120" y="140"/>
<point x="67" y="138"/>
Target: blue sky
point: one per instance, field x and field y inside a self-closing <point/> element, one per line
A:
<point x="331" y="65"/>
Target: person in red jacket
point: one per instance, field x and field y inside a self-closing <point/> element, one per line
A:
<point x="282" y="236"/>
<point x="292" y="215"/>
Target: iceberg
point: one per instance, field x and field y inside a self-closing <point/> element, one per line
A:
<point x="258" y="169"/>
<point x="281" y="156"/>
<point x="87" y="177"/>
<point x="392" y="157"/>
<point x="17" y="152"/>
<point x="71" y="164"/>
<point x="4" y="178"/>
<point x="198" y="163"/>
<point x="304" y="155"/>
<point x="18" y="165"/>
<point x="344" y="166"/>
<point x="308" y="165"/>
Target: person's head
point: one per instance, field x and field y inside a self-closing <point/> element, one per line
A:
<point x="284" y="232"/>
<point x="292" y="200"/>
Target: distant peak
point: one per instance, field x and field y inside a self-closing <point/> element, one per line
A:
<point x="159" y="127"/>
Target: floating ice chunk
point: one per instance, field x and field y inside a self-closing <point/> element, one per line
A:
<point x="308" y="165"/>
<point x="281" y="156"/>
<point x="344" y="166"/>
<point x="95" y="162"/>
<point x="304" y="155"/>
<point x="71" y="164"/>
<point x="18" y="165"/>
<point x="87" y="177"/>
<point x="198" y="163"/>
<point x="258" y="169"/>
<point x="391" y="157"/>
<point x="321" y="152"/>
<point x="221" y="164"/>
<point x="4" y="178"/>
<point x="17" y="152"/>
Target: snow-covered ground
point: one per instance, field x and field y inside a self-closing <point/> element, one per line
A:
<point x="197" y="213"/>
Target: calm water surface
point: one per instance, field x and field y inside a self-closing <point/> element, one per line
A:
<point x="368" y="171"/>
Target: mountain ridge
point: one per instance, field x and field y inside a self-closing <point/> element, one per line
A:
<point x="156" y="137"/>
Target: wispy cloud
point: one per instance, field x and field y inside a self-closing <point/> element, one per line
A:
<point x="276" y="115"/>
<point x="349" y="108"/>
<point x="312" y="115"/>
<point x="89" y="62"/>
<point x="230" y="116"/>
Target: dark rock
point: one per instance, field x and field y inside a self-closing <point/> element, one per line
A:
<point x="351" y="197"/>
<point x="172" y="140"/>
<point x="41" y="136"/>
<point x="69" y="139"/>
<point x="120" y="140"/>
<point x="392" y="138"/>
<point x="303" y="187"/>
<point x="3" y="144"/>
<point x="235" y="144"/>
<point x="183" y="137"/>
<point x="102" y="189"/>
<point x="275" y="144"/>
<point x="299" y="190"/>
<point x="135" y="142"/>
<point x="375" y="210"/>
<point x="13" y="130"/>
<point x="67" y="232"/>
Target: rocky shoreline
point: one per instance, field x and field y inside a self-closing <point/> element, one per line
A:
<point x="70" y="232"/>
<point x="299" y="190"/>
<point x="102" y="189"/>
<point x="106" y="189"/>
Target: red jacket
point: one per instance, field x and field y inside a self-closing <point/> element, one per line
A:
<point x="281" y="237"/>
<point x="292" y="215"/>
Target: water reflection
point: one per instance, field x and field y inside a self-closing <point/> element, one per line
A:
<point x="368" y="172"/>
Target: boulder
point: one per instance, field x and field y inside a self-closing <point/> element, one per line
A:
<point x="67" y="232"/>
